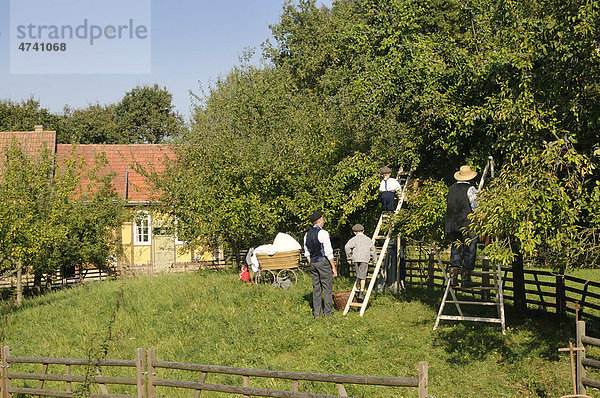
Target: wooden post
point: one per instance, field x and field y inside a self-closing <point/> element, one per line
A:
<point x="423" y="379"/>
<point x="201" y="379"/>
<point x="485" y="278"/>
<point x="246" y="382"/>
<point x="19" y="283"/>
<point x="5" y="376"/>
<point x="561" y="299"/>
<point x="139" y="365"/>
<point x="151" y="373"/>
<point x="294" y="385"/>
<point x="580" y="356"/>
<point x="519" y="299"/>
<point x="430" y="271"/>
<point x="68" y="373"/>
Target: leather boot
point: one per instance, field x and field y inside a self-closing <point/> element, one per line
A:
<point x="453" y="276"/>
<point x="465" y="279"/>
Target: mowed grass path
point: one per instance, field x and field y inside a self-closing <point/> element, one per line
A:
<point x="212" y="318"/>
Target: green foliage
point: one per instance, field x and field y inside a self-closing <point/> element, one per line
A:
<point x="423" y="219"/>
<point x="95" y="124"/>
<point x="544" y="205"/>
<point x="430" y="84"/>
<point x="46" y="223"/>
<point x="146" y="115"/>
<point x="22" y="116"/>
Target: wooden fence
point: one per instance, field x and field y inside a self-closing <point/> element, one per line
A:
<point x="144" y="379"/>
<point x="542" y="289"/>
<point x="584" y="361"/>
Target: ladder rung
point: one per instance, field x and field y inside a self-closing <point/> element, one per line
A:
<point x="475" y="288"/>
<point x="471" y="302"/>
<point x="470" y="318"/>
<point x="357" y="305"/>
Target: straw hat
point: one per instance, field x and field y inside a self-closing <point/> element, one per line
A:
<point x="465" y="174"/>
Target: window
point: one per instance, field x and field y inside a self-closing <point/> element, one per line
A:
<point x="141" y="228"/>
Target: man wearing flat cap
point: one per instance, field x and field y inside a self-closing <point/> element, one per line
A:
<point x="460" y="203"/>
<point x="319" y="254"/>
<point x="388" y="188"/>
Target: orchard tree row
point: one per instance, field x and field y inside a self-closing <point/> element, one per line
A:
<point x="427" y="84"/>
<point x="145" y="115"/>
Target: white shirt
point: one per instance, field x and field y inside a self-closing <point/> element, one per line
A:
<point x="323" y="237"/>
<point x="471" y="194"/>
<point x="391" y="185"/>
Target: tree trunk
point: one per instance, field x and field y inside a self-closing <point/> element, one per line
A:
<point x="37" y="283"/>
<point x="19" y="284"/>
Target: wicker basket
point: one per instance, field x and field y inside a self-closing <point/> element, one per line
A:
<point x="340" y="299"/>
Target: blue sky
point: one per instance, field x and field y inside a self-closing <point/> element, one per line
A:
<point x="192" y="43"/>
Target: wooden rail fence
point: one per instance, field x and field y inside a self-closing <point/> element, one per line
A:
<point x="542" y="289"/>
<point x="583" y="361"/>
<point x="144" y="378"/>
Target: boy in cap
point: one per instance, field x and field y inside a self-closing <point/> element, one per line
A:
<point x="359" y="250"/>
<point x="388" y="188"/>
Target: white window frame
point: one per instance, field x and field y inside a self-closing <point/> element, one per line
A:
<point x="138" y="224"/>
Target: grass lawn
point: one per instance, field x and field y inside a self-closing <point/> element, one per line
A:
<point x="212" y="318"/>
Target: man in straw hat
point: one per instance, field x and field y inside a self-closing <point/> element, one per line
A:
<point x="461" y="202"/>
<point x="319" y="254"/>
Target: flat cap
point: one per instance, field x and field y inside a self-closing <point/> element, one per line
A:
<point x="358" y="228"/>
<point x="315" y="216"/>
<point x="385" y="170"/>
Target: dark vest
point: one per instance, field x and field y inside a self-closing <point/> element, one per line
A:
<point x="457" y="207"/>
<point x="315" y="248"/>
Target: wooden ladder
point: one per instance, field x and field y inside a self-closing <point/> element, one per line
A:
<point x="496" y="285"/>
<point x="382" y="248"/>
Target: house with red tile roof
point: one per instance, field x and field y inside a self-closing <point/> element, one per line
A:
<point x="147" y="247"/>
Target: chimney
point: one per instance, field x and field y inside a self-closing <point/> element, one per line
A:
<point x="38" y="128"/>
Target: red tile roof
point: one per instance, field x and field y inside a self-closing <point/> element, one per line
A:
<point x="122" y="160"/>
<point x="31" y="142"/>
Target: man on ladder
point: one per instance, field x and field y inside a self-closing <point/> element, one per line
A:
<point x="460" y="203"/>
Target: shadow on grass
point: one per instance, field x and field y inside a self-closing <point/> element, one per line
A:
<point x="532" y="333"/>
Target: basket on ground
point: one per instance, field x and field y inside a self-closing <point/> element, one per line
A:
<point x="340" y="299"/>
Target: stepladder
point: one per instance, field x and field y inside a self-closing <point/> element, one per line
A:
<point x="491" y="282"/>
<point x="384" y="232"/>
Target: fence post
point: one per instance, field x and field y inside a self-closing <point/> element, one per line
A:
<point x="485" y="278"/>
<point x="431" y="271"/>
<point x="139" y="365"/>
<point x="519" y="298"/>
<point x="151" y="373"/>
<point x="5" y="379"/>
<point x="561" y="299"/>
<point x="423" y="379"/>
<point x="580" y="356"/>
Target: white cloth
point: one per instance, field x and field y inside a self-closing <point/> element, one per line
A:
<point x="323" y="237"/>
<point x="390" y="185"/>
<point x="282" y="243"/>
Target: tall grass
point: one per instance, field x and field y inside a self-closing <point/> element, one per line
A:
<point x="213" y="318"/>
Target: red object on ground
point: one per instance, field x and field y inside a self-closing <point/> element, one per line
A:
<point x="244" y="274"/>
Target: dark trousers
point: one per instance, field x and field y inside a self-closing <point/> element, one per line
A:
<point x="387" y="201"/>
<point x="322" y="279"/>
<point x="463" y="254"/>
